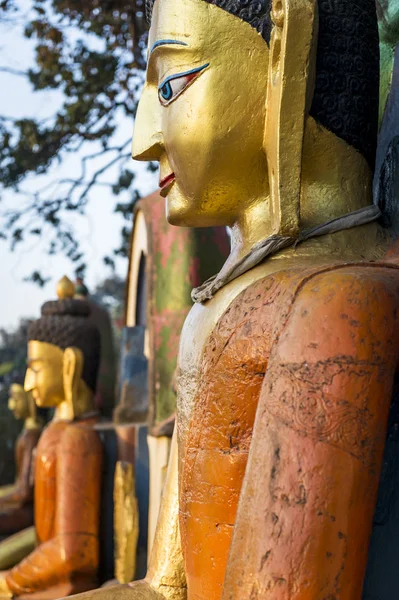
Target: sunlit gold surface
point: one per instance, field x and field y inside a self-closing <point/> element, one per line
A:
<point x="126" y="523"/>
<point x="166" y="568"/>
<point x="16" y="547"/>
<point x="54" y="378"/>
<point x="294" y="22"/>
<point x="65" y="288"/>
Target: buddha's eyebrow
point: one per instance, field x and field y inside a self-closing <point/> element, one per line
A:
<point x="166" y="43"/>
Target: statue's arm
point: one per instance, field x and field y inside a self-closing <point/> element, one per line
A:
<point x="16" y="510"/>
<point x="6" y="491"/>
<point x="165" y="578"/>
<point x="74" y="548"/>
<point x="22" y="490"/>
<point x="309" y="493"/>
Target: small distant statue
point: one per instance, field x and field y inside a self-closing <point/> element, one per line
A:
<point x="16" y="500"/>
<point x="63" y="360"/>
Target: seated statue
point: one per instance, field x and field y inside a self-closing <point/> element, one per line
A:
<point x="63" y="359"/>
<point x="263" y="117"/>
<point x="16" y="500"/>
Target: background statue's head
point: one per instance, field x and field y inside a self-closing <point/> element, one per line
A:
<point x="63" y="350"/>
<point x="209" y="92"/>
<point x="21" y="403"/>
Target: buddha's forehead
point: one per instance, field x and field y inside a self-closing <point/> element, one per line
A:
<point x="195" y="22"/>
<point x="184" y="20"/>
<point x="38" y="350"/>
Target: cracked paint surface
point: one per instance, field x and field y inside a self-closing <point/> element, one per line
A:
<point x="296" y="383"/>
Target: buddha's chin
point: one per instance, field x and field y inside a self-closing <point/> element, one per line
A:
<point x="179" y="210"/>
<point x="41" y="401"/>
<point x="184" y="212"/>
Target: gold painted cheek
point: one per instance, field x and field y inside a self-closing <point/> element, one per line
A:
<point x="45" y="383"/>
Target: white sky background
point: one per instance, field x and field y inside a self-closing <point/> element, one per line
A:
<point x="98" y="230"/>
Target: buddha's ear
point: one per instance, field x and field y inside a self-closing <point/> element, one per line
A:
<point x="72" y="373"/>
<point x="292" y="67"/>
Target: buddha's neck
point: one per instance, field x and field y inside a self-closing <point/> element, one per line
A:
<point x="33" y="423"/>
<point x="79" y="404"/>
<point x="336" y="181"/>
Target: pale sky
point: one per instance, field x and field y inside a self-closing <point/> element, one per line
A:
<point x="99" y="230"/>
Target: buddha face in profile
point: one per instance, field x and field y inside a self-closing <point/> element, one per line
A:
<point x="44" y="375"/>
<point x="197" y="111"/>
<point x="63" y="353"/>
<point x="204" y="105"/>
<point x="18" y="402"/>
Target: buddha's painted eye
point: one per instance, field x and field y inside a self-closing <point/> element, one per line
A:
<point x="174" y="85"/>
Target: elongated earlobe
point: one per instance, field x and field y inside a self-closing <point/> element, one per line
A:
<point x="291" y="79"/>
<point x="72" y="373"/>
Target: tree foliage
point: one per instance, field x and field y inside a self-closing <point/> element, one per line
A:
<point x="91" y="54"/>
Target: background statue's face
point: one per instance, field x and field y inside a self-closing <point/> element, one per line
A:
<point x="44" y="375"/>
<point x="202" y="112"/>
<point x="18" y="402"/>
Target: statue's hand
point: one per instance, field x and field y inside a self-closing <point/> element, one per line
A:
<point x="137" y="590"/>
<point x="4" y="589"/>
<point x="143" y="591"/>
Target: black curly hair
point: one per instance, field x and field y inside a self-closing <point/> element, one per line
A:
<point x="64" y="323"/>
<point x="347" y="74"/>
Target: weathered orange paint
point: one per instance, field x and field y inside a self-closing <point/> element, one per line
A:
<point x="67" y="507"/>
<point x="313" y="354"/>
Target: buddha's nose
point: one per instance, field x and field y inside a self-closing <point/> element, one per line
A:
<point x="11" y="404"/>
<point x="147" y="136"/>
<point x="29" y="382"/>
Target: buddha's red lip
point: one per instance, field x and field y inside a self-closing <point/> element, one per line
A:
<point x="167" y="181"/>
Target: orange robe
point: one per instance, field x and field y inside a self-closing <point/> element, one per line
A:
<point x="67" y="509"/>
<point x="290" y="420"/>
<point x="16" y="508"/>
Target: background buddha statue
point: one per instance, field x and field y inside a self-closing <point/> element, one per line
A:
<point x="63" y="359"/>
<point x="16" y="500"/>
<point x="263" y="116"/>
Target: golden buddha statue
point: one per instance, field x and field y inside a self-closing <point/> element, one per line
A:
<point x="263" y="117"/>
<point x="16" y="500"/>
<point x="63" y="359"/>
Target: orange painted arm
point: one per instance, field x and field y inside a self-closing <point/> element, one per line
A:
<point x="23" y="490"/>
<point x="308" y="499"/>
<point x="72" y="554"/>
<point x="16" y="507"/>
